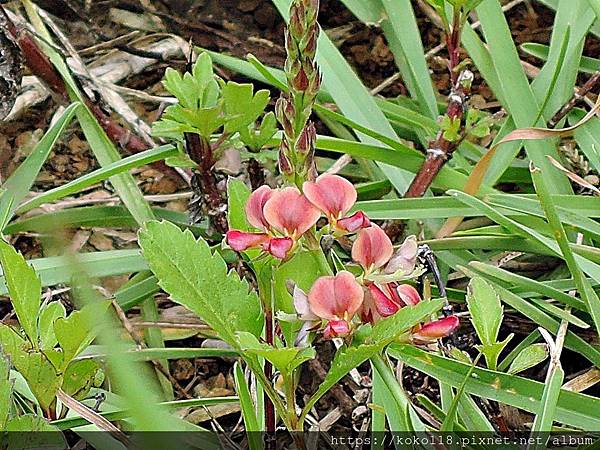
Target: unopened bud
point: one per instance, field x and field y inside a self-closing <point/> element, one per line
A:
<point x="300" y="81"/>
<point x="285" y="165"/>
<point x="284" y="111"/>
<point x="306" y="141"/>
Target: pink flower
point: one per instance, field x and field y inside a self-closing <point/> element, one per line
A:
<point x="381" y="302"/>
<point x="332" y="194"/>
<point x="436" y="329"/>
<point x="335" y="196"/>
<point x="255" y="207"/>
<point x="353" y="223"/>
<point x="290" y="213"/>
<point x="336" y="299"/>
<point x="241" y="241"/>
<point x="372" y="248"/>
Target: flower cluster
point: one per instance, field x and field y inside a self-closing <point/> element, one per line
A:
<point x="284" y="215"/>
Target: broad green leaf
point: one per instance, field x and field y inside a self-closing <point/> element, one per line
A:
<point x="530" y="356"/>
<point x="24" y="288"/>
<point x="285" y="359"/>
<point x="237" y="197"/>
<point x="41" y="376"/>
<point x="48" y="315"/>
<point x="486" y="310"/>
<point x="242" y="105"/>
<point x="79" y="378"/>
<point x="197" y="279"/>
<point x="77" y="331"/>
<point x="33" y="432"/>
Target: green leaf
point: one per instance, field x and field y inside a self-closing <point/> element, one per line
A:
<point x="49" y="314"/>
<point x="79" y="378"/>
<point x="24" y="287"/>
<point x="89" y="179"/>
<point x="253" y="431"/>
<point x="285" y="359"/>
<point x="6" y="387"/>
<point x="486" y="315"/>
<point x="237" y="197"/>
<point x="197" y="279"/>
<point x="77" y="331"/>
<point x="530" y="356"/>
<point x="18" y="184"/>
<point x="41" y="376"/>
<point x="390" y="328"/>
<point x="242" y="106"/>
<point x="578" y="410"/>
<point x="33" y="432"/>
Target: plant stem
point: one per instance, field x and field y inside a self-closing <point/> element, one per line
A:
<point x="441" y="148"/>
<point x="575" y="99"/>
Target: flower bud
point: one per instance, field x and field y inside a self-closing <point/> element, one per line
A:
<point x="285" y="165"/>
<point x="306" y="140"/>
<point x="437" y="329"/>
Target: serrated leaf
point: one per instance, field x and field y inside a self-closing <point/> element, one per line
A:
<point x="49" y="314"/>
<point x="199" y="280"/>
<point x="486" y="310"/>
<point x="24" y="288"/>
<point x="530" y="356"/>
<point x="33" y="432"/>
<point x="285" y="359"/>
<point x="77" y="331"/>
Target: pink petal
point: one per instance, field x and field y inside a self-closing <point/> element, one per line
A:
<point x="279" y="247"/>
<point x="405" y="257"/>
<point x="240" y="240"/>
<point x="408" y="294"/>
<point x="384" y="305"/>
<point x="332" y="194"/>
<point x="372" y="248"/>
<point x="289" y="212"/>
<point x="336" y="328"/>
<point x="354" y="223"/>
<point x="439" y="328"/>
<point x="336" y="297"/>
<point x="255" y="207"/>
